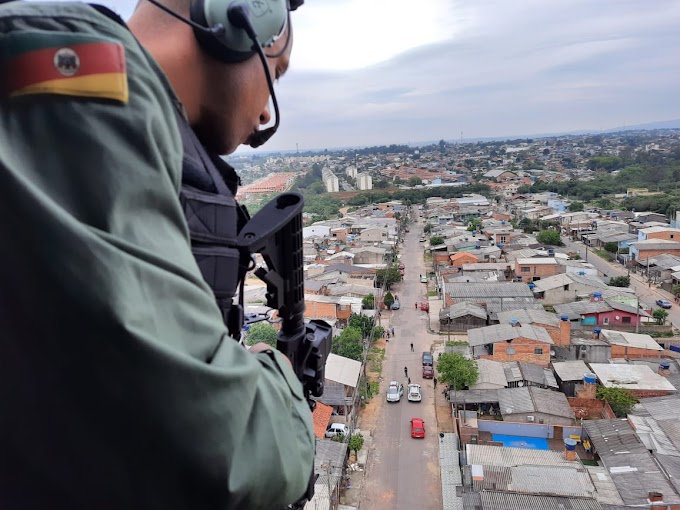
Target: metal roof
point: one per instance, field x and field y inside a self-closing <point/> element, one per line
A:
<point x="605" y="488"/>
<point x="559" y="480"/>
<point x="333" y="394"/>
<point x="501" y="456"/>
<point x="529" y="316"/>
<point x="343" y="370"/>
<point x="570" y="370"/>
<point x="463" y="309"/>
<point x="531" y="372"/>
<point x="577" y="308"/>
<point x="631" y="340"/>
<point x="495" y="305"/>
<point x="490" y="372"/>
<point x="487" y="290"/>
<point x="503" y="332"/>
<point x="474" y="396"/>
<point x="450" y="472"/>
<point x="492" y="500"/>
<point x="533" y="400"/>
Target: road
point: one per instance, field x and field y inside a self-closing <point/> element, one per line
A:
<point x="403" y="473"/>
<point x="648" y="295"/>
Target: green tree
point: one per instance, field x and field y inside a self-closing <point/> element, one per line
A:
<point x="619" y="281"/>
<point x="676" y="290"/>
<point x="660" y="315"/>
<point x="551" y="237"/>
<point x="620" y="399"/>
<point x="388" y="299"/>
<point x="427" y="228"/>
<point x="378" y="332"/>
<point x="349" y="344"/>
<point x="611" y="247"/>
<point x="355" y="443"/>
<point x="436" y="240"/>
<point x="368" y="301"/>
<point x="456" y="370"/>
<point x="363" y="323"/>
<point x="388" y="276"/>
<point x="261" y="332"/>
<point x="576" y="206"/>
<point x="415" y="181"/>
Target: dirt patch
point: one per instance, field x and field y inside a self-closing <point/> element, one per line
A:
<point x="443" y="412"/>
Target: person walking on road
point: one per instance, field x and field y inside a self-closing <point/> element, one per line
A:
<point x="392" y="330"/>
<point x="405" y="371"/>
<point x="417" y="304"/>
<point x="411" y="346"/>
<point x="434" y="380"/>
<point x="409" y="380"/>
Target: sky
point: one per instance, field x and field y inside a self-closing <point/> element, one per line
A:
<point x="378" y="72"/>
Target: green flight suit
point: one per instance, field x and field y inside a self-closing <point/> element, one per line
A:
<point x="119" y="387"/>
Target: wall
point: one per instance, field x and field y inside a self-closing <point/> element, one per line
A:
<point x="596" y="408"/>
<point x="547" y="418"/>
<point x="314" y="309"/>
<point x="525" y="429"/>
<point x="535" y="270"/>
<point x="644" y="255"/>
<point x="621" y="351"/>
<point x="613" y="321"/>
<point x="524" y="351"/>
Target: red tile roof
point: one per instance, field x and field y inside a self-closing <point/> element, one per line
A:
<point x="322" y="416"/>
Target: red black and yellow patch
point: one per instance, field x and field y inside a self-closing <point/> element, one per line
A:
<point x="81" y="65"/>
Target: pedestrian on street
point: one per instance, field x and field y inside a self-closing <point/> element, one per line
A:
<point x="388" y="334"/>
<point x="392" y="330"/>
<point x="417" y="304"/>
<point x="435" y="383"/>
<point x="409" y="380"/>
<point x="405" y="371"/>
<point x="411" y="346"/>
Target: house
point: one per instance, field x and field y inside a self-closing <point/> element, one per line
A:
<point x="373" y="235"/>
<point x="341" y="386"/>
<point x="525" y="405"/>
<point x="631" y="345"/>
<point x="491" y="375"/>
<point x="507" y="342"/>
<point x="601" y="312"/>
<point x="483" y="292"/>
<point x="644" y="250"/>
<point x="569" y="374"/>
<point x="462" y="316"/>
<point x="520" y="373"/>
<point x="534" y="269"/>
<point x="461" y="258"/>
<point x="564" y="288"/>
<point x="331" y="308"/>
<point x="559" y="330"/>
<point x="640" y="380"/>
<point x="369" y="255"/>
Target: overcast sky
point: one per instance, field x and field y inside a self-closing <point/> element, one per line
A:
<point x="370" y="72"/>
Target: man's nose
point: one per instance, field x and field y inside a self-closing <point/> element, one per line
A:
<point x="265" y="116"/>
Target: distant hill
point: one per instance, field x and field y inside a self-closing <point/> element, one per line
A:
<point x="664" y="124"/>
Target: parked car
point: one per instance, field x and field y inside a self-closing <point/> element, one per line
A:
<point x="428" y="372"/>
<point x="663" y="303"/>
<point x="422" y="239"/>
<point x="395" y="305"/>
<point x="425" y="306"/>
<point x="395" y="391"/>
<point x="417" y="428"/>
<point x="335" y="429"/>
<point x="423" y="279"/>
<point x="414" y="393"/>
<point x="427" y="358"/>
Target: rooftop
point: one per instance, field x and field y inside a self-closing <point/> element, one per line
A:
<point x="504" y="332"/>
<point x="529" y="316"/>
<point x="631" y="377"/>
<point x="531" y="399"/>
<point x="571" y="370"/>
<point x="488" y="290"/>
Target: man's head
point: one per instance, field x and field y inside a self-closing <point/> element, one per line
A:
<point x="226" y="102"/>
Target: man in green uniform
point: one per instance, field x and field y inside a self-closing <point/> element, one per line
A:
<point x="119" y="386"/>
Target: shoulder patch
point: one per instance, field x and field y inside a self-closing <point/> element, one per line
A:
<point x="70" y="64"/>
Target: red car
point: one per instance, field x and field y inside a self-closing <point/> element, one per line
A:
<point x="417" y="428"/>
<point x="428" y="372"/>
<point x="425" y="306"/>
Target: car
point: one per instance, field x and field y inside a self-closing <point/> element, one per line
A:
<point x="428" y="372"/>
<point x="427" y="358"/>
<point x="417" y="428"/>
<point x="335" y="429"/>
<point x="425" y="306"/>
<point x="663" y="303"/>
<point x="422" y="239"/>
<point x="423" y="279"/>
<point x="394" y="391"/>
<point x="395" y="305"/>
<point x="414" y="393"/>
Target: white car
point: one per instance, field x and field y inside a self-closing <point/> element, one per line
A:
<point x="395" y="391"/>
<point x="335" y="429"/>
<point x="414" y="393"/>
<point x="423" y="279"/>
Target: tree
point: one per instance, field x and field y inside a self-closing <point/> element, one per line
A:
<point x="620" y="399"/>
<point x="388" y="299"/>
<point x="546" y="152"/>
<point x="363" y="323"/>
<point x="676" y="290"/>
<point x="619" y="281"/>
<point x="427" y="228"/>
<point x="261" y="332"/>
<point x="355" y="443"/>
<point x="415" y="181"/>
<point x="611" y="247"/>
<point x="378" y="332"/>
<point x="388" y="276"/>
<point x="660" y="315"/>
<point x="436" y="240"/>
<point x="456" y="370"/>
<point x="368" y="301"/>
<point x="576" y="206"/>
<point x="551" y="237"/>
<point x="349" y="344"/>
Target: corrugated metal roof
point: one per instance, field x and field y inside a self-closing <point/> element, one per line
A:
<point x="450" y="472"/>
<point x="605" y="489"/>
<point x="514" y="401"/>
<point x="577" y="308"/>
<point x="631" y="339"/>
<point x="474" y="396"/>
<point x="558" y="480"/>
<point x="490" y="372"/>
<point x="487" y="290"/>
<point x="501" y="456"/>
<point x="512" y="371"/>
<point x="529" y="316"/>
<point x="343" y="370"/>
<point x="491" y="500"/>
<point x="463" y="309"/>
<point x="551" y="402"/>
<point x="503" y="332"/>
<point x="662" y="408"/>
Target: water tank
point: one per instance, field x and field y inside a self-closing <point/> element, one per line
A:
<point x="590" y="378"/>
<point x="502" y="222"/>
<point x="531" y="286"/>
<point x="514" y="321"/>
<point x="564" y="318"/>
<point x="597" y="331"/>
<point x="597" y="295"/>
<point x="477" y="246"/>
<point x="570" y="444"/>
<point x="665" y="365"/>
<point x="581" y="273"/>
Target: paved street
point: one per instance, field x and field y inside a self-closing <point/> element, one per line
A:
<point x="648" y="295"/>
<point x="403" y="473"/>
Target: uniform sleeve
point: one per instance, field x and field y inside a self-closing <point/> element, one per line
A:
<point x="106" y="307"/>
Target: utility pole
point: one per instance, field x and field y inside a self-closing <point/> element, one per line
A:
<point x="637" y="324"/>
<point x="649" y="277"/>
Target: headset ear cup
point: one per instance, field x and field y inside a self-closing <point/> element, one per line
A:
<point x="211" y="43"/>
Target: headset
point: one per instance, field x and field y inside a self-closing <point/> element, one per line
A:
<point x="232" y="31"/>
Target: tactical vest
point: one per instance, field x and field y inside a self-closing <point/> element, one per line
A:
<point x="214" y="217"/>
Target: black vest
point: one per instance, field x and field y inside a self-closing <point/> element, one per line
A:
<point x="209" y="185"/>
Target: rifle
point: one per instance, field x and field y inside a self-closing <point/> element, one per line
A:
<point x="275" y="232"/>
